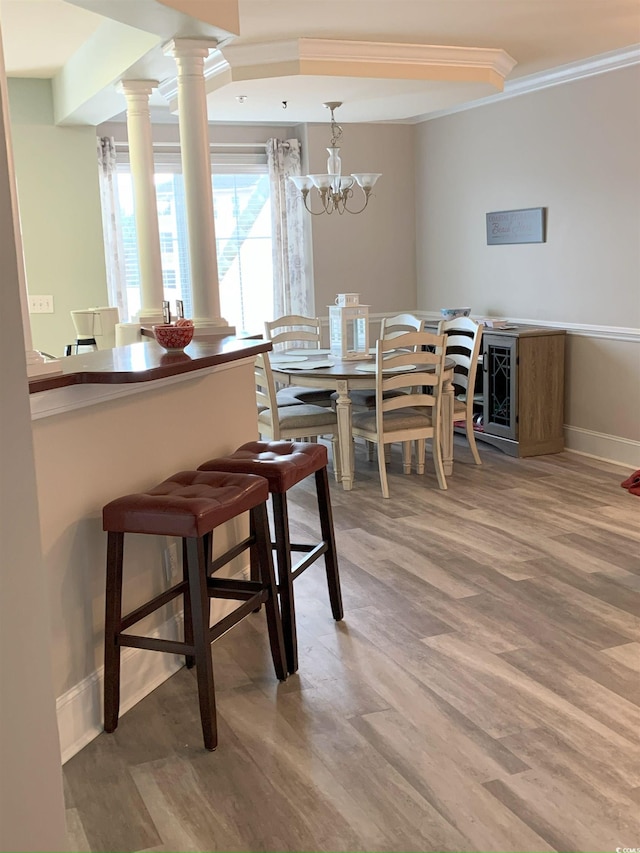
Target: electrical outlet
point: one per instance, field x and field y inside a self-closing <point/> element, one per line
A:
<point x="41" y="304"/>
<point x="171" y="561"/>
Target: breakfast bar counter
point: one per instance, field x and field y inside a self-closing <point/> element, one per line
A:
<point x="113" y="423"/>
<point x="144" y="362"/>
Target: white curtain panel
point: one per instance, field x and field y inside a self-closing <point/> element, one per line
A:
<point x="291" y="289"/>
<point x="111" y="227"/>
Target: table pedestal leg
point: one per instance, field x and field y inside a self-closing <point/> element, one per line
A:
<point x="343" y="411"/>
<point x="448" y="398"/>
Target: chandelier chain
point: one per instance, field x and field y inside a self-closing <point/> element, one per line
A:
<point x="336" y="130"/>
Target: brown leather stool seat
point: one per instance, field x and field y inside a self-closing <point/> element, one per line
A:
<point x="283" y="464"/>
<point x="191" y="504"/>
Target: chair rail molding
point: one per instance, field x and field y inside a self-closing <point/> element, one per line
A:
<point x="628" y="334"/>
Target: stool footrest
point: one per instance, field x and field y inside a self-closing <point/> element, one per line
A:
<point x="155" y="644"/>
<point x="155" y="603"/>
<point x="239" y="613"/>
<point x="233" y="588"/>
<point x="313" y="551"/>
<point x="229" y="555"/>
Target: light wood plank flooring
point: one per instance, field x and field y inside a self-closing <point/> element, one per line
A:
<point x="482" y="692"/>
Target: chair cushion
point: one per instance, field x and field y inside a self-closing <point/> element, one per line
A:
<point x="189" y="503"/>
<point x="301" y="417"/>
<point x="398" y="419"/>
<point x="301" y="394"/>
<point x="282" y="463"/>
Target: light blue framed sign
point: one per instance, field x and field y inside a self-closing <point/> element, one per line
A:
<point x="516" y="226"/>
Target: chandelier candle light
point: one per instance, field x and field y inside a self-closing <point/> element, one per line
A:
<point x="335" y="190"/>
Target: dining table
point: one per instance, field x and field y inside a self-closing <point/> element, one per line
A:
<point x="316" y="368"/>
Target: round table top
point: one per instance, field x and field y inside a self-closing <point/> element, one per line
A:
<point x="341" y="369"/>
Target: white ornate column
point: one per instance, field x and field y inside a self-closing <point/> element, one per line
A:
<point x="144" y="194"/>
<point x="196" y="168"/>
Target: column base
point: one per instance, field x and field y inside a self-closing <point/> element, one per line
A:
<point x="148" y="317"/>
<point x="217" y="328"/>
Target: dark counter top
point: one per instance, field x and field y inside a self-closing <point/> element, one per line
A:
<point x="144" y="362"/>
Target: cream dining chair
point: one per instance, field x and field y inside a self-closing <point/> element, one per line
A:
<point x="464" y="336"/>
<point x="411" y="416"/>
<point x="285" y="332"/>
<point x="300" y="421"/>
<point x="390" y="327"/>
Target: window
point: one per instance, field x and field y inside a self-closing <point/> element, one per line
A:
<point x="167" y="242"/>
<point x="242" y="215"/>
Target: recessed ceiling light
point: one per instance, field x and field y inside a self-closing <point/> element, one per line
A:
<point x="241" y="98"/>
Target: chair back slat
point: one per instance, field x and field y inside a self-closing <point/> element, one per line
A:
<point x="412" y="350"/>
<point x="293" y="328"/>
<point x="400" y="324"/>
<point x="463" y="339"/>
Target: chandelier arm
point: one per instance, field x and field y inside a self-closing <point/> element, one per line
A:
<point x="366" y="202"/>
<point x="325" y="209"/>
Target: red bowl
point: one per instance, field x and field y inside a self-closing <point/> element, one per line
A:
<point x="173" y="338"/>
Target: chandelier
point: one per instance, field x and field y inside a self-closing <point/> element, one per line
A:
<point x="335" y="190"/>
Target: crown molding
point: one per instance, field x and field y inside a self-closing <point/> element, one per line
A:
<point x="412" y="61"/>
<point x="392" y="53"/>
<point x="612" y="61"/>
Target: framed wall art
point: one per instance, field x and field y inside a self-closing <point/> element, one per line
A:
<point x="527" y="225"/>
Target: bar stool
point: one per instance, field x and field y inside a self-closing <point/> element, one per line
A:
<point x="191" y="504"/>
<point x="283" y="464"/>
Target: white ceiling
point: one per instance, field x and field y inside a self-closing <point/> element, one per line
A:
<point x="41" y="36"/>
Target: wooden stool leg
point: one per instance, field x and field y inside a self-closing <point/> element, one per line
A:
<point x="260" y="528"/>
<point x="197" y="566"/>
<point x="189" y="660"/>
<point x="254" y="555"/>
<point x="112" y="626"/>
<point x="285" y="581"/>
<point x="328" y="535"/>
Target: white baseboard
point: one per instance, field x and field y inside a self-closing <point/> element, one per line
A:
<point x="609" y="448"/>
<point x="79" y="710"/>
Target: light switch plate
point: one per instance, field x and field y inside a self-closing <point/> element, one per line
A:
<point x="41" y="304"/>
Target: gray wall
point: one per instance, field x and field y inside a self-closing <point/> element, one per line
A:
<point x="57" y="176"/>
<point x="372" y="253"/>
<point x="574" y="149"/>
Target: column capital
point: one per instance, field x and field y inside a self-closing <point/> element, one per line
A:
<point x="135" y="88"/>
<point x="190" y="48"/>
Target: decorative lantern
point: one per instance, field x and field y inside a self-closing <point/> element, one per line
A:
<point x="349" y="331"/>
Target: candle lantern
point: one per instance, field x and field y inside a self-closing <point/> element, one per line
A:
<point x="349" y="331"/>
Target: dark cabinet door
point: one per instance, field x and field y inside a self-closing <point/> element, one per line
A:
<point x="500" y="369"/>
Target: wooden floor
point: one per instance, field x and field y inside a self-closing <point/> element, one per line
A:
<point x="481" y="693"/>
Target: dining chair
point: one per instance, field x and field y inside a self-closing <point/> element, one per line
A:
<point x="390" y="327"/>
<point x="300" y="421"/>
<point x="413" y="416"/>
<point x="463" y="338"/>
<point x="296" y="329"/>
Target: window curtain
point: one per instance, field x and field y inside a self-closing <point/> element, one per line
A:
<point x="291" y="287"/>
<point x="111" y="227"/>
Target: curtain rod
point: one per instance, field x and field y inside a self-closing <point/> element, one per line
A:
<point x="258" y="145"/>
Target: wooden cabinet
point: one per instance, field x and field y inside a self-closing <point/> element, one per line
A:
<point x="522" y="390"/>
